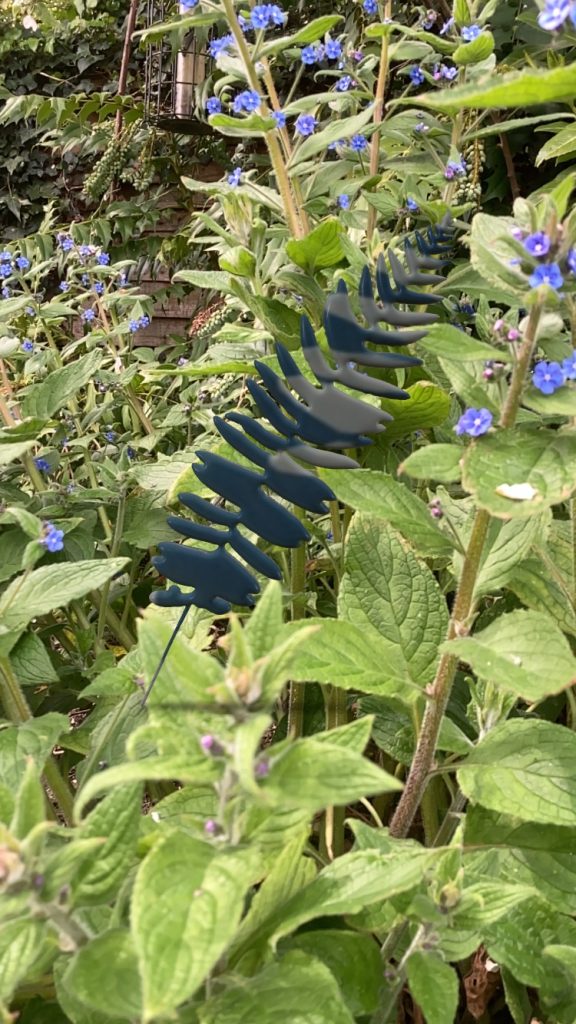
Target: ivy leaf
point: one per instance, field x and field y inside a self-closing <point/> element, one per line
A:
<point x="378" y="494"/>
<point x="434" y="986"/>
<point x="524" y="768"/>
<point x="387" y="587"/>
<point x="544" y="461"/>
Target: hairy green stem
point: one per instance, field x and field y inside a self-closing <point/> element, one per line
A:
<point x="332" y="835"/>
<point x="379" y="95"/>
<point x="296" y="691"/>
<point x="18" y="711"/>
<point x="460" y="620"/>
<point x="116" y="542"/>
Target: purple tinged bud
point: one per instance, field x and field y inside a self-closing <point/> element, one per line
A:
<point x="211" y="827"/>
<point x="513" y="334"/>
<point x="262" y="769"/>
<point x="498" y="325"/>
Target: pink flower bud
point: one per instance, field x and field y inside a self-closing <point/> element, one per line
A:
<point x="513" y="334"/>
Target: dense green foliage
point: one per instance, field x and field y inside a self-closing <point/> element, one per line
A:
<point x="358" y="801"/>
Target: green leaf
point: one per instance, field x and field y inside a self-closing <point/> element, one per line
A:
<point x="320" y="249"/>
<point x="378" y="494"/>
<point x="309" y="33"/>
<point x="31" y="662"/>
<point x="297" y="990"/>
<point x="561" y="403"/>
<point x="253" y="126"/>
<point x="517" y="999"/>
<point x="205" y="278"/>
<point x="10" y="452"/>
<point x="544" y="462"/>
<point x="30" y="807"/>
<point x="314" y="775"/>
<point x="186" y="906"/>
<point x="517" y="89"/>
<point x="526" y="769"/>
<point x="558" y="992"/>
<point x="491" y="252"/>
<point x="338" y="128"/>
<point x="33" y="739"/>
<point x="116" y="820"/>
<point x="265" y="625"/>
<point x="188" y="676"/>
<point x="53" y="586"/>
<point x="505" y="546"/>
<point x="474" y="52"/>
<point x="461" y="13"/>
<point x="352" y="958"/>
<point x="537" y="588"/>
<point x="434" y="462"/>
<point x="434" y="986"/>
<point x="428" y="406"/>
<point x="387" y="587"/>
<point x="21" y="943"/>
<point x="501" y="127"/>
<point x="560" y="144"/>
<point x="104" y="975"/>
<point x="517" y="941"/>
<point x="44" y="399"/>
<point x="352" y="658"/>
<point x="445" y="341"/>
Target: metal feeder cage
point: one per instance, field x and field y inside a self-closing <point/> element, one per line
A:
<point x="171" y="77"/>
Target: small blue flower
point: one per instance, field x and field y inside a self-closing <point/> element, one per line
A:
<point x="85" y="279"/>
<point x="280" y="118"/>
<point x="219" y="46"/>
<point x="213" y="105"/>
<point x="455" y="169"/>
<point x="277" y="15"/>
<point x="548" y="377"/>
<point x="417" y="76"/>
<point x="235" y="177"/>
<point x="5" y="270"/>
<point x="6" y="292"/>
<point x="103" y="259"/>
<point x="358" y="143"/>
<point x="554" y="14"/>
<point x="333" y="49"/>
<point x="52" y="537"/>
<point x="144" y="321"/>
<point x="421" y="127"/>
<point x="470" y="32"/>
<point x="110" y="435"/>
<point x="88" y="316"/>
<point x="122" y="279"/>
<point x="22" y="263"/>
<point x="412" y="205"/>
<point x="64" y="241"/>
<point x="188" y="5"/>
<point x="85" y="250"/>
<point x="344" y="202"/>
<point x="569" y="366"/>
<point x="309" y="55"/>
<point x="30" y="311"/>
<point x="571" y="260"/>
<point x="248" y="101"/>
<point x="130" y="453"/>
<point x="305" y="124"/>
<point x="5" y="256"/>
<point x="448" y="73"/>
<point x="370" y="6"/>
<point x="547" y="273"/>
<point x="99" y="288"/>
<point x="42" y="464"/>
<point x="344" y="83"/>
<point x="133" y="326"/>
<point x="64" y="286"/>
<point x="474" y="422"/>
<point x="260" y="16"/>
<point x="538" y="244"/>
<point x="27" y="345"/>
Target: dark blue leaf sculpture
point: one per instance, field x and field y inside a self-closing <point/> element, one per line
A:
<point x="312" y="424"/>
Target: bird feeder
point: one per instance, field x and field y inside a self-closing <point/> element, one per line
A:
<point x="173" y="74"/>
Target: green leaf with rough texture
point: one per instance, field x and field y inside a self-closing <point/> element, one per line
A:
<point x="477" y="50"/>
<point x="53" y="586"/>
<point x="21" y="944"/>
<point x="505" y="546"/>
<point x="351" y="657"/>
<point x="434" y="462"/>
<point x="297" y="990"/>
<point x="491" y="252"/>
<point x="187" y="676"/>
<point x="186" y="906"/>
<point x="517" y="999"/>
<point x="387" y="587"/>
<point x="537" y="855"/>
<point x="30" y="802"/>
<point x="104" y="975"/>
<point x="521" y="651"/>
<point x="497" y="92"/>
<point x="204" y="278"/>
<point x="76" y="1011"/>
<point x="320" y="249"/>
<point x="450" y="343"/>
<point x="518" y="940"/>
<point x="337" y="128"/>
<point x="34" y="738"/>
<point x="309" y="33"/>
<point x="12" y="451"/>
<point x="116" y="820"/>
<point x="434" y="986"/>
<point x="560" y="144"/>
<point x="253" y="126"/>
<point x="31" y="662"/>
<point x="201" y="771"/>
<point x="524" y="768"/>
<point x="537" y="588"/>
<point x="558" y="992"/>
<point x="428" y="406"/>
<point x="265" y="624"/>
<point x="561" y="403"/>
<point x="378" y="494"/>
<point x="354" y="960"/>
<point x="544" y="461"/>
<point x="46" y="398"/>
<point x="314" y="775"/>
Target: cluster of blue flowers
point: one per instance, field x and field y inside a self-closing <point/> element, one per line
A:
<point x="370" y="6"/>
<point x="539" y="245"/>
<point x="455" y="169"/>
<point x="474" y="422"/>
<point x="547" y="377"/>
<point x="246" y="102"/>
<point x="9" y="265"/>
<point x="555" y="13"/>
<point x="140" y="324"/>
<point x="52" y="538"/>
<point x="264" y="16"/>
<point x="330" y="50"/>
<point x="219" y="46"/>
<point x="235" y="177"/>
<point x="443" y="71"/>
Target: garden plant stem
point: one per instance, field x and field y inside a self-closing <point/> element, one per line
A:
<point x="378" y="115"/>
<point x="297" y="690"/>
<point x="460" y="620"/>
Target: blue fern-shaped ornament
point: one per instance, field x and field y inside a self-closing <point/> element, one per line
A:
<point x="311" y="424"/>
